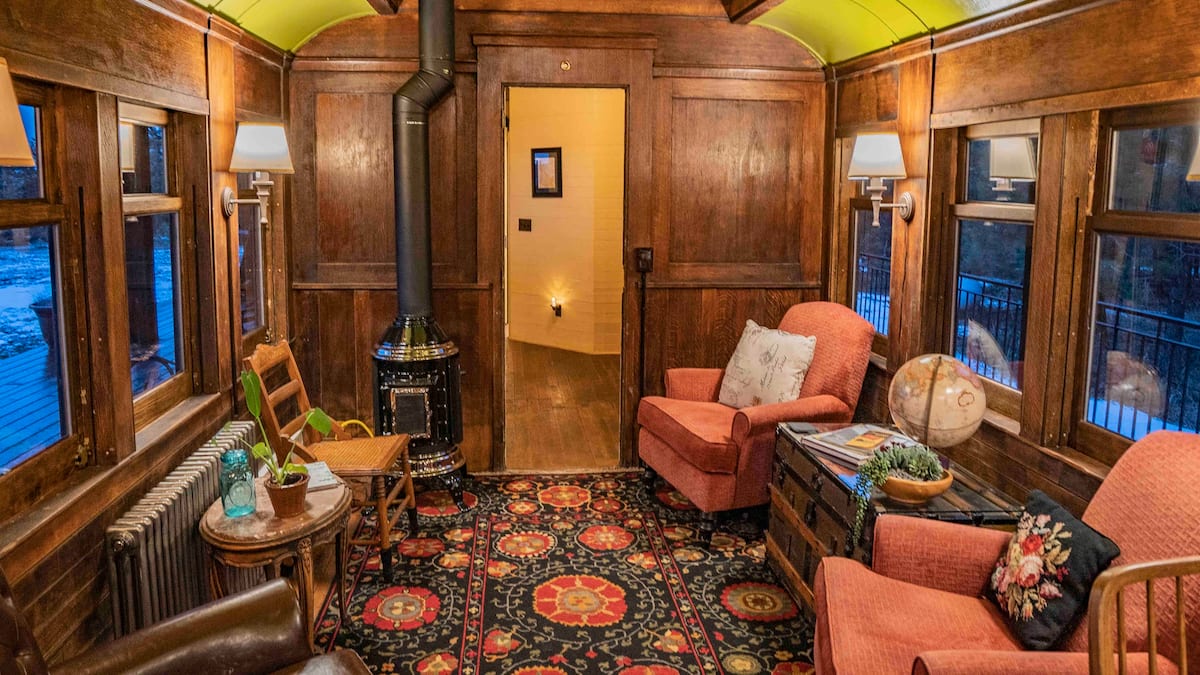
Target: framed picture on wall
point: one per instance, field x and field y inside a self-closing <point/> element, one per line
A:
<point x="547" y="172"/>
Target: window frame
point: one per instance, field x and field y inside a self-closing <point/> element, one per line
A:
<point x="1107" y="445"/>
<point x="264" y="333"/>
<point x="1001" y="398"/>
<point x="153" y="403"/>
<point x="54" y="466"/>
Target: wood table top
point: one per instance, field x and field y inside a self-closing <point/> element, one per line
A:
<point x="262" y="530"/>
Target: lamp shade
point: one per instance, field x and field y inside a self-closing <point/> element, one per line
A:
<point x="877" y="155"/>
<point x="261" y="147"/>
<point x="1193" y="173"/>
<point x="14" y="145"/>
<point x="1012" y="158"/>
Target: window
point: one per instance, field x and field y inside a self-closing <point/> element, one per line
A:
<point x="37" y="369"/>
<point x="872" y="278"/>
<point x="252" y="266"/>
<point x="1143" y="361"/>
<point x="155" y="269"/>
<point x="993" y="230"/>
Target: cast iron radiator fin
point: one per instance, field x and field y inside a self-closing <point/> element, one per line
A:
<point x="156" y="558"/>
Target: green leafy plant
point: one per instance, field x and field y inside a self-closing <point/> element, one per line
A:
<point x="909" y="462"/>
<point x="263" y="450"/>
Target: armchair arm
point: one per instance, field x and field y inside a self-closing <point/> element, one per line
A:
<point x="694" y="384"/>
<point x="763" y="418"/>
<point x="980" y="662"/>
<point x="965" y="555"/>
<point x="256" y="631"/>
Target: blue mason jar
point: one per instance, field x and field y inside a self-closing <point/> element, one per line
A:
<point x="237" y="483"/>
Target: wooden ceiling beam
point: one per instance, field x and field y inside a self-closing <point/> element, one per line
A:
<point x="745" y="11"/>
<point x="385" y="7"/>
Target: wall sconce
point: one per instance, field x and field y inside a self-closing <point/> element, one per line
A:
<point x="1011" y="161"/>
<point x="260" y="148"/>
<point x="877" y="156"/>
<point x="14" y="146"/>
<point x="556" y="306"/>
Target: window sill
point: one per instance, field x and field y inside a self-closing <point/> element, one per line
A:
<point x="1069" y="456"/>
<point x="34" y="535"/>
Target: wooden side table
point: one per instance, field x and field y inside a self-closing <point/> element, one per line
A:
<point x="262" y="540"/>
<point x="813" y="511"/>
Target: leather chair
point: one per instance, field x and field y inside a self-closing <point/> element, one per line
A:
<point x="256" y="631"/>
<point x="921" y="608"/>
<point x="720" y="457"/>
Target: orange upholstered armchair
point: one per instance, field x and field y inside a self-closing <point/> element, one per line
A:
<point x="720" y="457"/>
<point x="921" y="609"/>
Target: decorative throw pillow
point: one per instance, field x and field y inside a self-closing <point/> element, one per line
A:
<point x="768" y="366"/>
<point x="1043" y="578"/>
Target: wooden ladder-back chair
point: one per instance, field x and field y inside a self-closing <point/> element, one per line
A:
<point x="372" y="459"/>
<point x="1107" y="633"/>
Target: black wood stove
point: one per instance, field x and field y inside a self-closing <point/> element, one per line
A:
<point x="417" y="377"/>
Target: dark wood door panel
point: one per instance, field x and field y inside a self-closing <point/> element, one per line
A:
<point x="737" y="177"/>
<point x="699" y="327"/>
<point x="337" y="332"/>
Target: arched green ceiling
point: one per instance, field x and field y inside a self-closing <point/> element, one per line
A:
<point x="837" y="30"/>
<point x="834" y="30"/>
<point x="287" y="24"/>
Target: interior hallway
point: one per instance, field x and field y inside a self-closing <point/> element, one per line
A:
<point x="561" y="409"/>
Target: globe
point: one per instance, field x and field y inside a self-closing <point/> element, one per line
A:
<point x="937" y="400"/>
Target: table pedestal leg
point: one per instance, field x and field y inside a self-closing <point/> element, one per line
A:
<point x="304" y="585"/>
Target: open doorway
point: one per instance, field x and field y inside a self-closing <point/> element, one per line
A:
<point x="564" y="233"/>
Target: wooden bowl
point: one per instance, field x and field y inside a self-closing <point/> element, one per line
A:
<point x="914" y="491"/>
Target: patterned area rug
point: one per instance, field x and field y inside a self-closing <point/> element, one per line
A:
<point x="569" y="575"/>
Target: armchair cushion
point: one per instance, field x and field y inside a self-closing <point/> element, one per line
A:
<point x="1044" y="576"/>
<point x="965" y="555"/>
<point x="978" y="662"/>
<point x="698" y="432"/>
<point x="865" y="621"/>
<point x="768" y="366"/>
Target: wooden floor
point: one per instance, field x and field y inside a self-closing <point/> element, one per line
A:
<point x="561" y="409"/>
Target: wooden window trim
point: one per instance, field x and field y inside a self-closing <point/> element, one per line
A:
<point x="55" y="466"/>
<point x="154" y="403"/>
<point x="1094" y="440"/>
<point x="263" y="333"/>
<point x="1002" y="399"/>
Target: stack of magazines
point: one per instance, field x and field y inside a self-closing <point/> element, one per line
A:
<point x="854" y="445"/>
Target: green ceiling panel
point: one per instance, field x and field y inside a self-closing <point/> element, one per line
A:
<point x="837" y="30"/>
<point x="287" y="24"/>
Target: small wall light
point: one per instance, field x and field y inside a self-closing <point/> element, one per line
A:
<point x="260" y="148"/>
<point x="556" y="306"/>
<point x="14" y="145"/>
<point x="877" y="156"/>
<point x="1011" y="161"/>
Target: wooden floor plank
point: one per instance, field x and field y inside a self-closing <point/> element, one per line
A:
<point x="561" y="409"/>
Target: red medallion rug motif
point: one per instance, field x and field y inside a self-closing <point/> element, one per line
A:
<point x="567" y="575"/>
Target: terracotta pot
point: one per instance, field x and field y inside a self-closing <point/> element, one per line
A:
<point x="916" y="491"/>
<point x="288" y="500"/>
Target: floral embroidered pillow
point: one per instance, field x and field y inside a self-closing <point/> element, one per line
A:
<point x="768" y="366"/>
<point x="1042" y="580"/>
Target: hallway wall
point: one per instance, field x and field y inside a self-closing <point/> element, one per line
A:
<point x="573" y="252"/>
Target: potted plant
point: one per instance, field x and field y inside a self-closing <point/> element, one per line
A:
<point x="912" y="474"/>
<point x="287" y="481"/>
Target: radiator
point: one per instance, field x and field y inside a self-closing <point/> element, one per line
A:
<point x="156" y="558"/>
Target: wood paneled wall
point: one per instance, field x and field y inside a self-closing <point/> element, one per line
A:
<point x="1059" y="60"/>
<point x="725" y="148"/>
<point x="164" y="53"/>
